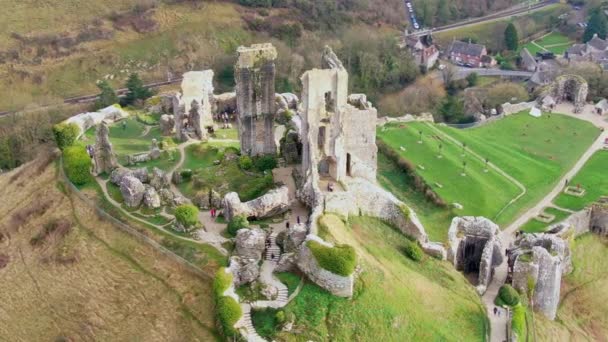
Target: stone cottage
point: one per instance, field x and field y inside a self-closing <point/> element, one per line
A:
<point x="469" y="54"/>
<point x="424" y="51"/>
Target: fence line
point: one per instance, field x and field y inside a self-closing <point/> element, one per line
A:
<point x="130" y="230"/>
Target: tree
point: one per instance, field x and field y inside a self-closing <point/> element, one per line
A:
<point x="136" y="90"/>
<point x="452" y="109"/>
<point x="472" y="79"/>
<point x="107" y="97"/>
<point x="65" y="134"/>
<point x="597" y="25"/>
<point x="511" y="37"/>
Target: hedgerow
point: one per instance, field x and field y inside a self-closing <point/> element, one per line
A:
<point x="507" y="295"/>
<point x="65" y="134"/>
<point x="221" y="282"/>
<point x="341" y="259"/>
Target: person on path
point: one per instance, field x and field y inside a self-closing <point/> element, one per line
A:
<point x="298" y="219"/>
<point x="495" y="310"/>
<point x="287" y="225"/>
<point x="272" y="256"/>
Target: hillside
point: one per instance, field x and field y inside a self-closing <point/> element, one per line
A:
<point x="396" y="298"/>
<point x="67" y="275"/>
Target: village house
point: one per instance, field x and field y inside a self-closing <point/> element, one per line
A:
<point x="469" y="54"/>
<point x="423" y="50"/>
<point x="595" y="50"/>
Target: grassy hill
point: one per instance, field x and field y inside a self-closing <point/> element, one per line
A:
<point x="67" y="275"/>
<point x="396" y="299"/>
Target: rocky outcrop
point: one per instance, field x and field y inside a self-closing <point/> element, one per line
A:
<point x="336" y="284"/>
<point x="291" y="99"/>
<point x="359" y="101"/>
<point x="474" y="246"/>
<point x="329" y="60"/>
<point x="225" y="102"/>
<point x="275" y="202"/>
<point x="249" y="247"/>
<point x="103" y="155"/>
<point x="118" y="174"/>
<point x="151" y="198"/>
<point x="540" y="260"/>
<point x="132" y="190"/>
<point x="159" y="179"/>
<point x="295" y="236"/>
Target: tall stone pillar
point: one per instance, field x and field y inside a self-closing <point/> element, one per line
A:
<point x="255" y="94"/>
<point x="103" y="155"/>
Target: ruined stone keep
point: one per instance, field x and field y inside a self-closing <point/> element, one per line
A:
<point x="255" y="74"/>
<point x="338" y="138"/>
<point x="103" y="155"/>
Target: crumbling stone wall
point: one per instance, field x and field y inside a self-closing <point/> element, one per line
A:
<point x="474" y="246"/>
<point x="336" y="284"/>
<point x="599" y="219"/>
<point x="273" y="203"/>
<point x="571" y="88"/>
<point x="541" y="260"/>
<point x="193" y="108"/>
<point x="103" y="155"/>
<point x="255" y="96"/>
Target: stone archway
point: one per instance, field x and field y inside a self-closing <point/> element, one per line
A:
<point x="570" y="88"/>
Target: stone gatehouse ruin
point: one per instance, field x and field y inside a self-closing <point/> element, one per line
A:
<point x="568" y="88"/>
<point x="192" y="109"/>
<point x="475" y="248"/>
<point x="255" y="75"/>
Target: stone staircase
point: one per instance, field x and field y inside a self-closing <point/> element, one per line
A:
<point x="246" y="324"/>
<point x="273" y="249"/>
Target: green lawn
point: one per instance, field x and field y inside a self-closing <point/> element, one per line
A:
<point x="535" y="151"/>
<point x="396" y="299"/>
<point x="593" y="178"/>
<point x="554" y="42"/>
<point x="476" y="191"/>
<point x="223" y="178"/>
<point x="536" y="226"/>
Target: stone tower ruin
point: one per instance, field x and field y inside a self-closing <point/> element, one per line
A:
<point x="255" y="94"/>
<point x="192" y="108"/>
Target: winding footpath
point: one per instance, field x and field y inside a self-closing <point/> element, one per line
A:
<point x="499" y="323"/>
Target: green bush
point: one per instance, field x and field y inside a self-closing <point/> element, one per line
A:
<point x="186" y="173"/>
<point x="77" y="164"/>
<point x="245" y="162"/>
<point x="413" y="251"/>
<point x="238" y="222"/>
<point x="65" y="134"/>
<point x="341" y="259"/>
<point x="507" y="295"/>
<point x="228" y="312"/>
<point x="167" y="143"/>
<point x="148" y="119"/>
<point x="221" y="282"/>
<point x="187" y="214"/>
<point x="265" y="163"/>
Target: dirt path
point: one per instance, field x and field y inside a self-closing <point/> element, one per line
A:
<point x="499" y="323"/>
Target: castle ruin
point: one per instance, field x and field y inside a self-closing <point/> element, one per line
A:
<point x="193" y="108"/>
<point x="255" y="73"/>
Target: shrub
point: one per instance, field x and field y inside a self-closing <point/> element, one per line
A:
<point x="65" y="134"/>
<point x="245" y="162"/>
<point x="507" y="295"/>
<point x="77" y="164"/>
<point x="186" y="173"/>
<point x="148" y="119"/>
<point x="221" y="282"/>
<point x="167" y="143"/>
<point x="413" y="251"/>
<point x="341" y="259"/>
<point x="265" y="163"/>
<point x="228" y="312"/>
<point x="187" y="215"/>
<point x="238" y="222"/>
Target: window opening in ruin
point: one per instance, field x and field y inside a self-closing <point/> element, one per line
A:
<point x="348" y="161"/>
<point x="329" y="102"/>
<point x="321" y="137"/>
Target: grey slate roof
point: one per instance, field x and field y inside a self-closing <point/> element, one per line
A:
<point x="577" y="49"/>
<point x="527" y="59"/>
<point x="598" y="43"/>
<point x="466" y="48"/>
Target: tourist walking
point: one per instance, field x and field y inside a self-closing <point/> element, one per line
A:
<point x="287" y="224"/>
<point x="298" y="219"/>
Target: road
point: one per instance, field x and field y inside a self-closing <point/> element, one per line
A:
<point x="512" y="12"/>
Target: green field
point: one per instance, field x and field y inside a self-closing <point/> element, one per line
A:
<point x="554" y="42"/>
<point x="476" y="191"/>
<point x="396" y="299"/>
<point x="536" y="226"/>
<point x="592" y="177"/>
<point x="133" y="138"/>
<point x="534" y="151"/>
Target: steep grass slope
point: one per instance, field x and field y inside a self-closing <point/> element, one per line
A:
<point x="67" y="275"/>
